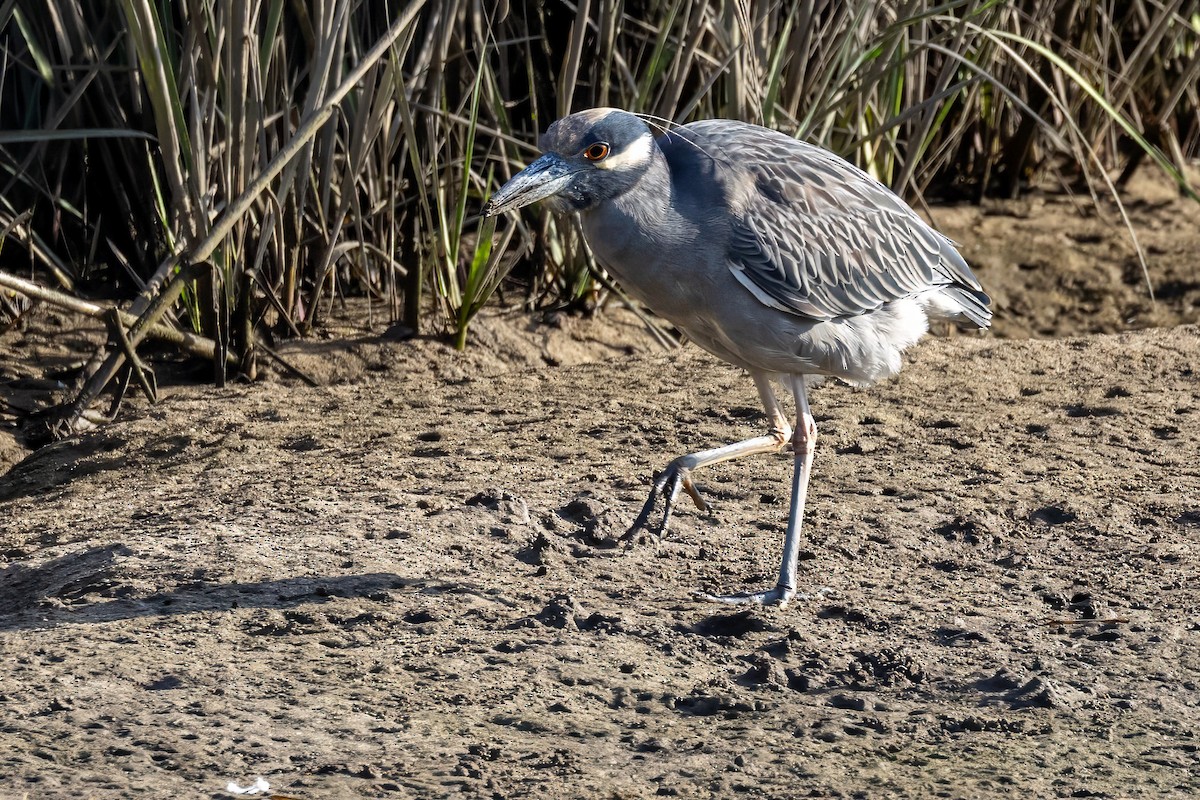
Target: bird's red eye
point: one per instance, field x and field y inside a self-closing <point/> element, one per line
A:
<point x="596" y="152"/>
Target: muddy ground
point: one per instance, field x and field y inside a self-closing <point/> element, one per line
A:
<point x="406" y="583"/>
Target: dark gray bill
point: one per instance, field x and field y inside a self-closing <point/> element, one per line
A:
<point x="539" y="180"/>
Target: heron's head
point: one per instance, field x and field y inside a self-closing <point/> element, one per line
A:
<point x="590" y="157"/>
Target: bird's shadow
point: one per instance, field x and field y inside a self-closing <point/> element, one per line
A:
<point x="60" y="591"/>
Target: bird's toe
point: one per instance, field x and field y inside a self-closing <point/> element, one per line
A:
<point x="667" y="485"/>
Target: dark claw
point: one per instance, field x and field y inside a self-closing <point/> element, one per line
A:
<point x="666" y="485"/>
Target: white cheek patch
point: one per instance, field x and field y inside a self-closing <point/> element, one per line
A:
<point x="635" y="155"/>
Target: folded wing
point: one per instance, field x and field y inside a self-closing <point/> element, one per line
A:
<point x="816" y="236"/>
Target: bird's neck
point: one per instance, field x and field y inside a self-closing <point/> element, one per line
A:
<point x="633" y="232"/>
<point x="647" y="199"/>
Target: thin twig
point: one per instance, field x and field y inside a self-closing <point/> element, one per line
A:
<point x="292" y="368"/>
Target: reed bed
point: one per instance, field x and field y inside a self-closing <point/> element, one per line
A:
<point x="232" y="168"/>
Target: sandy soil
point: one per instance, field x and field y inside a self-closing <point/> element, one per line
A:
<point x="407" y="583"/>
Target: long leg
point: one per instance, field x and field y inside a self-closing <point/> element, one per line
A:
<point x="804" y="444"/>
<point x="678" y="474"/>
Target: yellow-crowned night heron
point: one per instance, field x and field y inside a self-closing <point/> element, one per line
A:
<point x="773" y="254"/>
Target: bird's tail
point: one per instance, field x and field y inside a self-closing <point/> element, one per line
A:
<point x="960" y="304"/>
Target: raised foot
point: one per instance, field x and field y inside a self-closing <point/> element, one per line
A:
<point x="666" y="485"/>
<point x="779" y="596"/>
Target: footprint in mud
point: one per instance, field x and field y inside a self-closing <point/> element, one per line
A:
<point x="707" y="705"/>
<point x="512" y="509"/>
<point x="1082" y="411"/>
<point x="886" y="667"/>
<point x="733" y="625"/>
<point x="593" y="520"/>
<point x="539" y="552"/>
<point x="565" y="613"/>
<point x="1052" y="515"/>
<point x="853" y="616"/>
<point x="1017" y="692"/>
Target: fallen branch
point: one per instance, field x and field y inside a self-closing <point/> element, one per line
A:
<point x="196" y="345"/>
